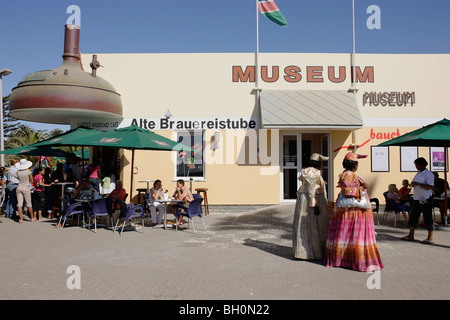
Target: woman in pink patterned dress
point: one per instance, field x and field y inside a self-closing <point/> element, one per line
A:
<point x="351" y="236"/>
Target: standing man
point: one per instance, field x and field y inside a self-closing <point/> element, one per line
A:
<point x="11" y="186"/>
<point x="423" y="184"/>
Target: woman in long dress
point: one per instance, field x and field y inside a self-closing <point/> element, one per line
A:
<point x="351" y="239"/>
<point x="311" y="217"/>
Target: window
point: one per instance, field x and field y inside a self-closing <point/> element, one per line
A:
<point x="190" y="164"/>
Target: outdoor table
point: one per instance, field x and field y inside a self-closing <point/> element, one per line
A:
<point x="165" y="202"/>
<point x="62" y="184"/>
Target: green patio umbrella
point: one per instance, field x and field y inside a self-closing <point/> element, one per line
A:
<point x="32" y="150"/>
<point x="74" y="137"/>
<point x="133" y="137"/>
<point x="433" y="135"/>
<point x="79" y="154"/>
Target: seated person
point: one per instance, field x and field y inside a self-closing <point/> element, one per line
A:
<point x="119" y="193"/>
<point x="156" y="193"/>
<point x="398" y="206"/>
<point x="439" y="192"/>
<point x="405" y="192"/>
<point x="182" y="193"/>
<point x="85" y="191"/>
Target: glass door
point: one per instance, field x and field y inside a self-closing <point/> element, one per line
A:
<point x="295" y="154"/>
<point x="290" y="166"/>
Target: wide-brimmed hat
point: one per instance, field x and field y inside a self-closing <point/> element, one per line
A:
<point x="23" y="164"/>
<point x="353" y="156"/>
<point x="318" y="157"/>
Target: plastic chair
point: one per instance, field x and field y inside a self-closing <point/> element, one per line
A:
<point x="101" y="208"/>
<point x="389" y="208"/>
<point x="377" y="207"/>
<point x="193" y="210"/>
<point x="129" y="212"/>
<point x="70" y="210"/>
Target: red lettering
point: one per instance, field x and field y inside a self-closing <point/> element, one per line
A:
<point x="366" y="76"/>
<point x="314" y="74"/>
<point x="240" y="76"/>
<point x="384" y="135"/>
<point x="292" y="74"/>
<point x="331" y="75"/>
<point x="266" y="78"/>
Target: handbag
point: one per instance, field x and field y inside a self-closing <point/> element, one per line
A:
<point x="351" y="202"/>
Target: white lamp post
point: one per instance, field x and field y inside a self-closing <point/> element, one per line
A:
<point x="3" y="72"/>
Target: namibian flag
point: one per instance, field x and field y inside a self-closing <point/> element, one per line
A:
<point x="271" y="11"/>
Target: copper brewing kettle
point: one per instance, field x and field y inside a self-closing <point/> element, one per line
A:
<point x="66" y="93"/>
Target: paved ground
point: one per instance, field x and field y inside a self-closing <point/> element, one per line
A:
<point x="241" y="256"/>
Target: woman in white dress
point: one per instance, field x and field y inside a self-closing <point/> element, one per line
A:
<point x="311" y="217"/>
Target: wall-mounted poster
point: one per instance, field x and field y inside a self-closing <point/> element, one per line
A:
<point x="380" y="159"/>
<point x="407" y="157"/>
<point x="437" y="159"/>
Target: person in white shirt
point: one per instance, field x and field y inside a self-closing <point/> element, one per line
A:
<point x="423" y="184"/>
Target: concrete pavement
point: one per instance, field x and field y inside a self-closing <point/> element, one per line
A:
<point x="241" y="256"/>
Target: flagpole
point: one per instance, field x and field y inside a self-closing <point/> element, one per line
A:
<point x="257" y="50"/>
<point x="353" y="85"/>
<point x="257" y="78"/>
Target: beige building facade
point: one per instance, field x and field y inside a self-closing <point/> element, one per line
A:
<point x="250" y="142"/>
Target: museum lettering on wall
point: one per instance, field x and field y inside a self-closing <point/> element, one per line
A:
<point x="293" y="74"/>
<point x="389" y="99"/>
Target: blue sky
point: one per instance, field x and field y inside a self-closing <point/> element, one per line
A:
<point x="32" y="32"/>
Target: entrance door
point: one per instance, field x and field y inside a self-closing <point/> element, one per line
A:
<point x="296" y="152"/>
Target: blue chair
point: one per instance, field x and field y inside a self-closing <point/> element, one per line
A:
<point x="129" y="212"/>
<point x="100" y="208"/>
<point x="390" y="207"/>
<point x="180" y="206"/>
<point x="70" y="210"/>
<point x="193" y="210"/>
